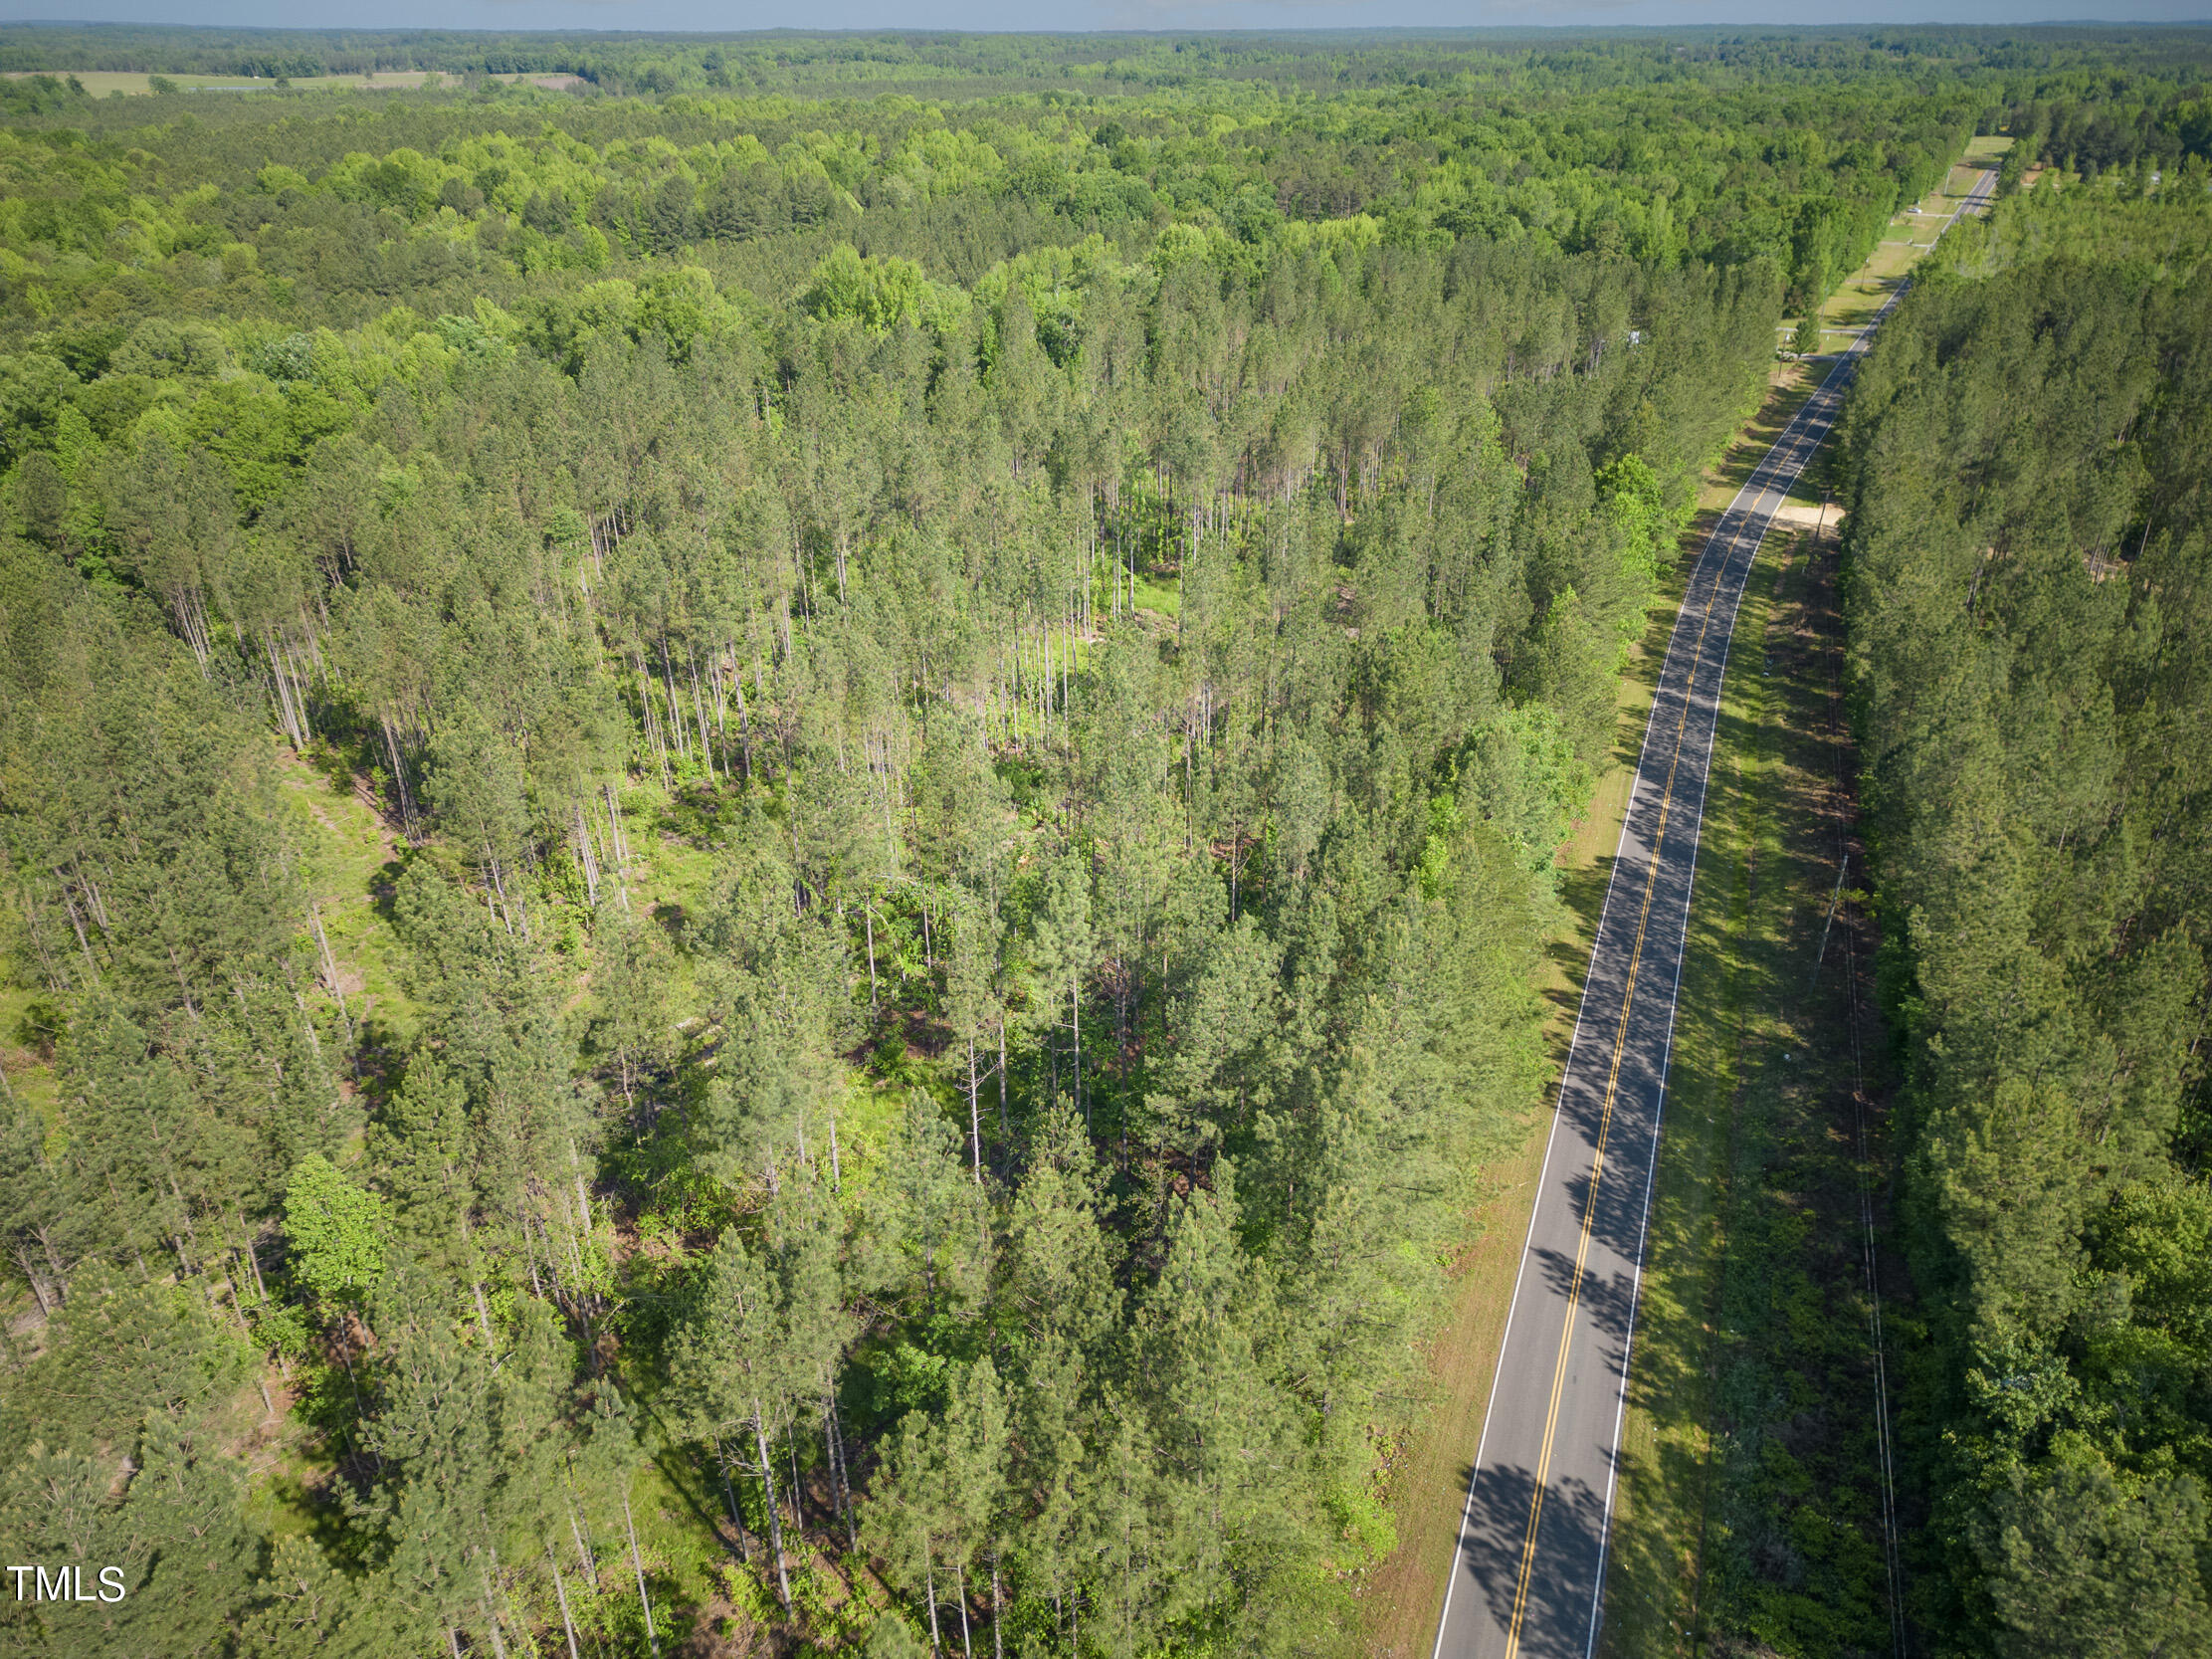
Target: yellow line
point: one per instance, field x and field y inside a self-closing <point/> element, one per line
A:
<point x="1612" y="1082"/>
<point x="1605" y="1122"/>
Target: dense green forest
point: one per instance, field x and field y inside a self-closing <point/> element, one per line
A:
<point x="773" y="855"/>
<point x="2031" y="569"/>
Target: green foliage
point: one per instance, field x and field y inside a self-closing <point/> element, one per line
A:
<point x="876" y="293"/>
<point x="335" y="1232"/>
<point x="957" y="707"/>
<point x="2027" y="581"/>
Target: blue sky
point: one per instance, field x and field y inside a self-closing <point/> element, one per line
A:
<point x="1078" y="14"/>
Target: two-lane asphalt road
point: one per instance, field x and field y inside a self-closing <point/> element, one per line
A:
<point x="1529" y="1570"/>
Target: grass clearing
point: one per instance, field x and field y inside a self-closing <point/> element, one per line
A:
<point x="1163" y="598"/>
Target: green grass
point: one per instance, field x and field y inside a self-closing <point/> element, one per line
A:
<point x="1165" y="598"/>
<point x="1902" y="247"/>
<point x="348" y="861"/>
<point x="1749" y="1511"/>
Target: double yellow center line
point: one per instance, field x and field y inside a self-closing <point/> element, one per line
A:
<point x="1605" y="1123"/>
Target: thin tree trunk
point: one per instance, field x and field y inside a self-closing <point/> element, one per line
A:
<point x="791" y="1444"/>
<point x="729" y="1495"/>
<point x="38" y="1288"/>
<point x="252" y="1260"/>
<point x="836" y="1439"/>
<point x="584" y="1545"/>
<point x="775" y="1520"/>
<point x="652" y="720"/>
<point x="975" y="1120"/>
<point x="399" y="778"/>
<point x="699" y="709"/>
<point x="867" y="911"/>
<point x="745" y="725"/>
<point x="498" y="1647"/>
<point x="637" y="1561"/>
<point x="676" y="708"/>
<point x="620" y="847"/>
<point x="583" y="852"/>
<point x="561" y="1589"/>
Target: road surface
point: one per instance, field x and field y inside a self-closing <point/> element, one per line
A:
<point x="1528" y="1572"/>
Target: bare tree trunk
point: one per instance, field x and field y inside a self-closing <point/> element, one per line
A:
<point x="837" y="1467"/>
<point x="37" y="1288"/>
<point x="676" y="708"/>
<point x="729" y="1495"/>
<point x="976" y="1121"/>
<point x="775" y="1520"/>
<point x="583" y="853"/>
<point x="637" y="1561"/>
<point x="584" y="1545"/>
<point x="652" y="720"/>
<point x="620" y="845"/>
<point x="561" y="1589"/>
<point x="699" y="710"/>
<point x="744" y="725"/>
<point x="399" y="778"/>
<point x="252" y="1260"/>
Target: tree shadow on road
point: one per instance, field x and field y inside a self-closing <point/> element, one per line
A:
<point x="1558" y="1603"/>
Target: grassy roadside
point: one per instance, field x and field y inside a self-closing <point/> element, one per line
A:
<point x="1429" y="1476"/>
<point x="1907" y="237"/>
<point x="1750" y="1516"/>
<point x="1429" y="1482"/>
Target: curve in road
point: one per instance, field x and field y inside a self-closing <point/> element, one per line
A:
<point x="1528" y="1573"/>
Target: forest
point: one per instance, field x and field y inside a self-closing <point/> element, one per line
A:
<point x="777" y="833"/>
<point x="2029" y="554"/>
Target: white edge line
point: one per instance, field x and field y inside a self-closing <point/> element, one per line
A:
<point x="1628" y="812"/>
<point x="1612" y="1480"/>
<point x="1628" y="815"/>
<point x="1659" y="1107"/>
<point x="1458" y="1542"/>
